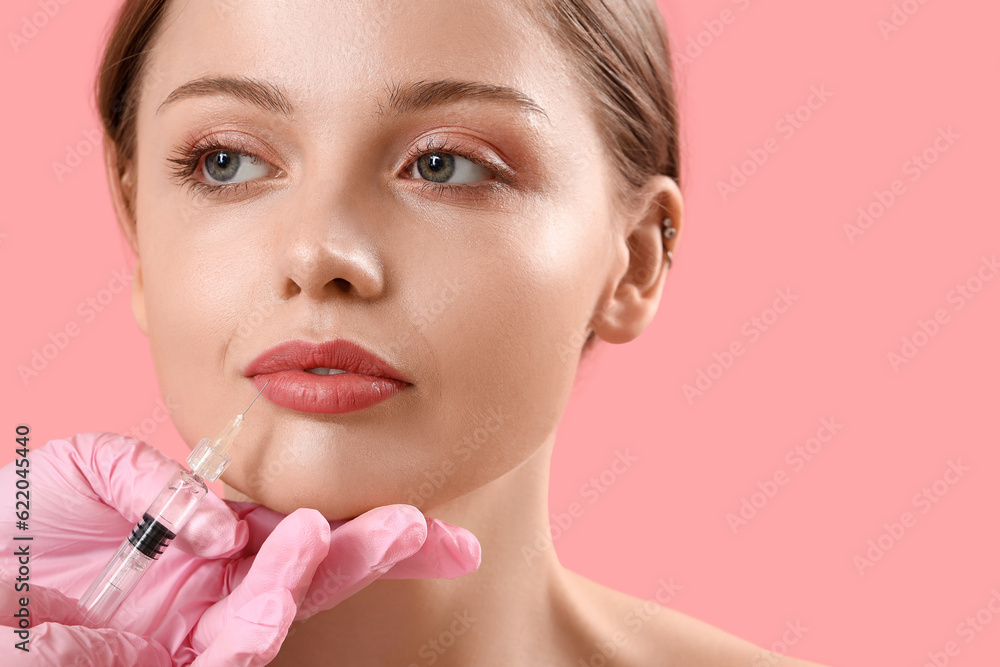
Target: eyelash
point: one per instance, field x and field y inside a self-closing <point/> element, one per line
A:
<point x="188" y="160"/>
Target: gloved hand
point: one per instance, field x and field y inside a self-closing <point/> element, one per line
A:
<point x="228" y="587"/>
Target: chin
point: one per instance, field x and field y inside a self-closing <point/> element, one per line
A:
<point x="286" y="497"/>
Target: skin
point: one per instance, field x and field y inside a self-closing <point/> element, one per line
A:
<point x="472" y="294"/>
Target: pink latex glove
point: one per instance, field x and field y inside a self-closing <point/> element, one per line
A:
<point x="227" y="588"/>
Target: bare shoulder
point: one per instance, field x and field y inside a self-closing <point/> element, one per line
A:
<point x="611" y="627"/>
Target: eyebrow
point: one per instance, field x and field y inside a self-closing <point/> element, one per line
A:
<point x="401" y="98"/>
<point x="421" y="95"/>
<point x="252" y="91"/>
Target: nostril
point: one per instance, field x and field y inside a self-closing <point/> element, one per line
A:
<point x="342" y="285"/>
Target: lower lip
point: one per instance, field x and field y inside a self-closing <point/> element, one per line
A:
<point x="327" y="394"/>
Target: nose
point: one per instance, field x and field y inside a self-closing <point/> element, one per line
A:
<point x="322" y="252"/>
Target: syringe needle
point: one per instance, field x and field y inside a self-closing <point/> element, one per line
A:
<point x="255" y="397"/>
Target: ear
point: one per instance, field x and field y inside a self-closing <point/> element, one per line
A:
<point x="632" y="295"/>
<point x="139" y="300"/>
<point x="121" y="183"/>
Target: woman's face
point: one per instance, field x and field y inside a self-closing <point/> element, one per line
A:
<point x="474" y="273"/>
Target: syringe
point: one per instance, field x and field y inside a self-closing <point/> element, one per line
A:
<point x="165" y="517"/>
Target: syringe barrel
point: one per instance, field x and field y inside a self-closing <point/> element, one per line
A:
<point x="119" y="577"/>
<point x="178" y="500"/>
<point x="166" y="515"/>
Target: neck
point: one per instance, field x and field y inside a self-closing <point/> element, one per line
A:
<point x="452" y="621"/>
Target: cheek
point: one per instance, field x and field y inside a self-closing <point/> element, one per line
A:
<point x="507" y="332"/>
<point x="194" y="297"/>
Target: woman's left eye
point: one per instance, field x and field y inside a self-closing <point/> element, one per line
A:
<point x="222" y="166"/>
<point x="439" y="167"/>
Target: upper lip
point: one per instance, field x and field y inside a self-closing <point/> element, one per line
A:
<point x="302" y="354"/>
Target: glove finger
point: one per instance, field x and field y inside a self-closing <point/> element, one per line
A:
<point x="213" y="531"/>
<point x="287" y="560"/>
<point x="44" y="605"/>
<point x="449" y="551"/>
<point x="361" y="550"/>
<point x="260" y="520"/>
<point x="253" y="636"/>
<point x="75" y="646"/>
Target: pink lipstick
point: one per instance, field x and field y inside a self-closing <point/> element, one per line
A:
<point x="331" y="377"/>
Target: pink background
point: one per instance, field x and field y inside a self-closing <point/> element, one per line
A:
<point x="825" y="357"/>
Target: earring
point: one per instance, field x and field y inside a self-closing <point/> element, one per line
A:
<point x="669" y="232"/>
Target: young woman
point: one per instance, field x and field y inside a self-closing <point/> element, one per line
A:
<point x="411" y="221"/>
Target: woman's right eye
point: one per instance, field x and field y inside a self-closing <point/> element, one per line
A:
<point x="216" y="169"/>
<point x="225" y="167"/>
